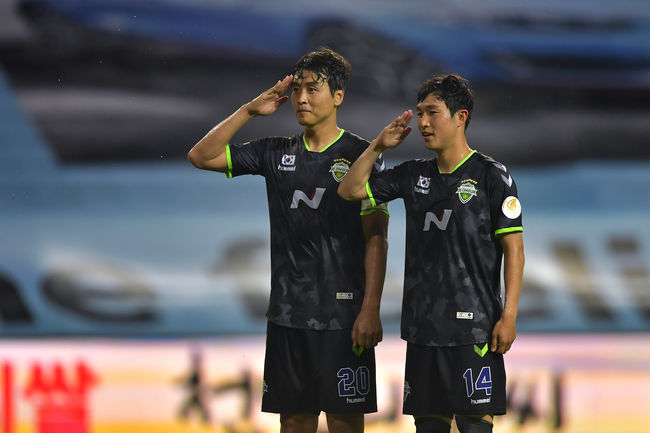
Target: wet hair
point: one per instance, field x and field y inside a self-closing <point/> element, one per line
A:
<point x="328" y="65"/>
<point x="453" y="90"/>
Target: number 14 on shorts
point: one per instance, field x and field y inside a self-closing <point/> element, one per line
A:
<point x="483" y="381"/>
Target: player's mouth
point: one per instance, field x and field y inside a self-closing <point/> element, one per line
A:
<point x="426" y="134"/>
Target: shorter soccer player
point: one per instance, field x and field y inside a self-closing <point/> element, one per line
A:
<point x="463" y="217"/>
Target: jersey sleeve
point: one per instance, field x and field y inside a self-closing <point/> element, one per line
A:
<point x="246" y="158"/>
<point x="367" y="205"/>
<point x="504" y="201"/>
<point x="385" y="186"/>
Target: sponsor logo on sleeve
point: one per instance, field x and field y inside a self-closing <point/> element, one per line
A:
<point x="288" y="163"/>
<point x="511" y="207"/>
<point x="423" y="185"/>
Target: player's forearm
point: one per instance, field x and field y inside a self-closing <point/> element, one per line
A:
<point x="213" y="144"/>
<point x="375" y="233"/>
<point x="375" y="263"/>
<point x="513" y="269"/>
<point x="353" y="185"/>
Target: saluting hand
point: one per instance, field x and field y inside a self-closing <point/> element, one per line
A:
<point x="267" y="102"/>
<point x="393" y="134"/>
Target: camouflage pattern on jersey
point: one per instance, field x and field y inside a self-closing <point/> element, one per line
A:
<point x="452" y="290"/>
<point x="317" y="244"/>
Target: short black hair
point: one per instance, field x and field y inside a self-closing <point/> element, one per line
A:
<point x="453" y="90"/>
<point x="328" y="65"/>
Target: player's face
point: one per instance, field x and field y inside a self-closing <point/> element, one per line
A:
<point x="312" y="100"/>
<point x="439" y="129"/>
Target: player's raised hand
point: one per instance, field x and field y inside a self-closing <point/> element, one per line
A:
<point x="393" y="134"/>
<point x="267" y="102"/>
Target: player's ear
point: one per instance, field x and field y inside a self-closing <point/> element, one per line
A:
<point x="461" y="117"/>
<point x="338" y="97"/>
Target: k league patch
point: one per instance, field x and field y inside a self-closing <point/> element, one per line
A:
<point x="511" y="207"/>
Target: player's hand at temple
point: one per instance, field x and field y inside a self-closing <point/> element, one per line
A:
<point x="367" y="331"/>
<point x="393" y="134"/>
<point x="267" y="102"/>
<point x="503" y="335"/>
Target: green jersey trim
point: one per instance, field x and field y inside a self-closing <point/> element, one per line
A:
<point x="508" y="230"/>
<point x="373" y="202"/>
<point x="375" y="209"/>
<point x="365" y="210"/>
<point x="304" y="140"/>
<point x="459" y="164"/>
<point x="228" y="172"/>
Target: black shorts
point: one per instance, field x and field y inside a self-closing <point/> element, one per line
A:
<point x="308" y="371"/>
<point x="454" y="380"/>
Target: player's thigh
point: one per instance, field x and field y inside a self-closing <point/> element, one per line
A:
<point x="345" y="422"/>
<point x="298" y="423"/>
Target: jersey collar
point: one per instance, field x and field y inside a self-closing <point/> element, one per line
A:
<point x="304" y="140"/>
<point x="459" y="164"/>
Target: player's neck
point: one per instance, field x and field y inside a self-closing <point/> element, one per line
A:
<point x="321" y="135"/>
<point x="449" y="158"/>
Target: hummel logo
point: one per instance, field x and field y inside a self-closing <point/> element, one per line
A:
<point x="507" y="180"/>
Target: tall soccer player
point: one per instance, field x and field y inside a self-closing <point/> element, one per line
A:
<point x="463" y="217"/>
<point x="328" y="256"/>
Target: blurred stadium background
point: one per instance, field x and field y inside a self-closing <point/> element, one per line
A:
<point x="133" y="287"/>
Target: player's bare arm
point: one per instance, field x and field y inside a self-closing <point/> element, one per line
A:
<point x="210" y="152"/>
<point x="353" y="185"/>
<point x="367" y="330"/>
<point x="505" y="330"/>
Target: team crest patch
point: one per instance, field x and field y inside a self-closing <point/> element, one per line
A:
<point x="466" y="190"/>
<point x="340" y="168"/>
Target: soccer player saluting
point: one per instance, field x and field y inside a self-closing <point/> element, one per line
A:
<point x="462" y="217"/>
<point x="327" y="261"/>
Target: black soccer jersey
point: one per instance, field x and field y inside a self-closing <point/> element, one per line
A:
<point x="317" y="243"/>
<point x="452" y="290"/>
